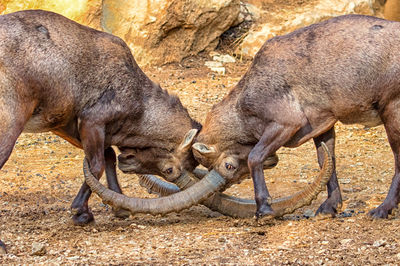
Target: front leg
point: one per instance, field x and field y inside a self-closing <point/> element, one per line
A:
<point x="334" y="201"/>
<point x="112" y="180"/>
<point x="274" y="136"/>
<point x="92" y="137"/>
<point x="80" y="208"/>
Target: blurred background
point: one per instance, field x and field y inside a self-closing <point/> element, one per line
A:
<point x="165" y="31"/>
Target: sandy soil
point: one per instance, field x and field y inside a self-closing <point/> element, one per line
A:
<point x="44" y="174"/>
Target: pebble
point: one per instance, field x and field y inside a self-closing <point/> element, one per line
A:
<point x="222" y="239"/>
<point x="211" y="64"/>
<point x="309" y="213"/>
<point x="345" y="241"/>
<point x="379" y="243"/>
<point x="219" y="70"/>
<point x="38" y="249"/>
<point x="73" y="258"/>
<point x="225" y="58"/>
<point x="284" y="248"/>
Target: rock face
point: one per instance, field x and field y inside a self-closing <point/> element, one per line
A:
<point x="163" y="31"/>
<point x="392" y="10"/>
<point x="87" y="12"/>
<point x="279" y="19"/>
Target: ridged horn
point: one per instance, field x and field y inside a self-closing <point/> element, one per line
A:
<point x="176" y="202"/>
<point x="244" y="208"/>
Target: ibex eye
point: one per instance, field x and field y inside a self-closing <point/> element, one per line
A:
<point x="168" y="171"/>
<point x="229" y="166"/>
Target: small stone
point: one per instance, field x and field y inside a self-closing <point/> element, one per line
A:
<point x="309" y="213"/>
<point x="212" y="64"/>
<point x="38" y="249"/>
<point x="345" y="241"/>
<point x="379" y="243"/>
<point x="222" y="239"/>
<point x="284" y="248"/>
<point x="73" y="258"/>
<point x="219" y="70"/>
<point x="224" y="58"/>
<point x="94" y="230"/>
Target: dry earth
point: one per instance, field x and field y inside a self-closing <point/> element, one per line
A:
<point x="44" y="174"/>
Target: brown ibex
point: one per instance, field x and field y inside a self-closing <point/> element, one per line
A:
<point x="299" y="85"/>
<point x="84" y="85"/>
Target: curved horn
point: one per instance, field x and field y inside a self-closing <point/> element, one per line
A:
<point x="244" y="208"/>
<point x="289" y="204"/>
<point x="211" y="183"/>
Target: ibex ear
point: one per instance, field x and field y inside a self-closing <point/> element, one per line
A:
<point x="203" y="149"/>
<point x="187" y="140"/>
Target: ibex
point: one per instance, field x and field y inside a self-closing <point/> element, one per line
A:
<point x="299" y="85"/>
<point x="85" y="86"/>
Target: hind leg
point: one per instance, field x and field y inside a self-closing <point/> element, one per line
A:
<point x="391" y="120"/>
<point x="334" y="200"/>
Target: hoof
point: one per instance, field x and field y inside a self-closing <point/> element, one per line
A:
<point x="83" y="218"/>
<point x="265" y="212"/>
<point x="331" y="205"/>
<point x="3" y="249"/>
<point x="327" y="210"/>
<point x="381" y="212"/>
<point x="121" y="213"/>
<point x="265" y="216"/>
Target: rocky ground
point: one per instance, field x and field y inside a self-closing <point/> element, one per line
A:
<point x="44" y="174"/>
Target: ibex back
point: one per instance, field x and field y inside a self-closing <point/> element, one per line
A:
<point x="298" y="86"/>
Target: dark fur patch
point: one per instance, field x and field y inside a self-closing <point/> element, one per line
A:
<point x="310" y="38"/>
<point x="43" y="30"/>
<point x="286" y="88"/>
<point x="196" y="125"/>
<point x="377" y="27"/>
<point x="375" y="105"/>
<point x="37" y="110"/>
<point x="107" y="96"/>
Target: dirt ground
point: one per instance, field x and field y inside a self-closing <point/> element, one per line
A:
<point x="44" y="174"/>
